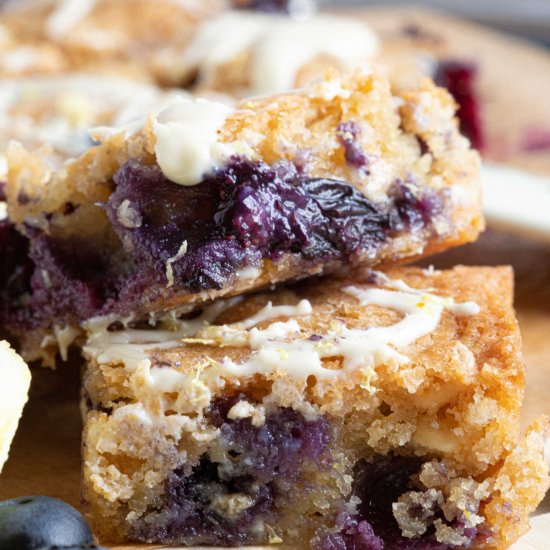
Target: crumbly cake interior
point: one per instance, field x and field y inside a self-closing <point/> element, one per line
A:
<point x="380" y="411"/>
<point x="342" y="172"/>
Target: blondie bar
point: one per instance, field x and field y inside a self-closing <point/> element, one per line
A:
<point x="379" y="411"/>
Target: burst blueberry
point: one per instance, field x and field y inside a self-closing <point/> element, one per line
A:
<point x="235" y="218"/>
<point x="348" y="135"/>
<point x="266" y="461"/>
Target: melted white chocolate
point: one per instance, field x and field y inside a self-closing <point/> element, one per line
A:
<point x="279" y="46"/>
<point x="282" y="52"/>
<point x="131" y="346"/>
<point x="61" y="109"/>
<point x="187" y="145"/>
<point x="359" y="348"/>
<point x="283" y="347"/>
<point x="270" y="312"/>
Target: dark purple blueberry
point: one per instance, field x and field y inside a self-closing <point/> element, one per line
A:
<point x="317" y="218"/>
<point x="27" y="523"/>
<point x="266" y="462"/>
<point x="412" y="209"/>
<point x="348" y="135"/>
<point x="234" y="218"/>
<point x="270" y="6"/>
<point x="15" y="268"/>
<point x="379" y="484"/>
<point x="241" y="214"/>
<point x="276" y="450"/>
<point x="460" y="78"/>
<point x="73" y="272"/>
<point x="351" y="533"/>
<point x="80" y="547"/>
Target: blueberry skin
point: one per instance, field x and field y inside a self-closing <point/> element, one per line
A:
<point x="29" y="523"/>
<point x="82" y="547"/>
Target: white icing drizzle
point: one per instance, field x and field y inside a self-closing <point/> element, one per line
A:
<point x="407" y="300"/>
<point x="282" y="52"/>
<point x="279" y="45"/>
<point x="3" y="211"/>
<point x="270" y="312"/>
<point x="187" y="144"/>
<point x="62" y="337"/>
<point x="66" y="15"/>
<point x="223" y="37"/>
<point x="132" y="345"/>
<point x="358" y="348"/>
<point x="248" y="274"/>
<point x="65" y="336"/>
<point x="22" y="58"/>
<point x="282" y="347"/>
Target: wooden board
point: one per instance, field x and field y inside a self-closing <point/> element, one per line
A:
<point x="45" y="457"/>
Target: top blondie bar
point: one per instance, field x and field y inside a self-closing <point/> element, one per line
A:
<point x="206" y="200"/>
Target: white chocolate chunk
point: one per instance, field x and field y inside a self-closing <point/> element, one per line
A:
<point x="15" y="379"/>
<point x="187" y="145"/>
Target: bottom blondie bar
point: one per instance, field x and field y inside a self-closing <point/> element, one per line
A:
<point x="375" y="412"/>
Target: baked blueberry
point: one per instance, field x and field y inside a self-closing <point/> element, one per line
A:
<point x="460" y="78"/>
<point x="28" y="523"/>
<point x="271" y="6"/>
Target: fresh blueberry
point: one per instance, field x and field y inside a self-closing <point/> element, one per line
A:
<point x="81" y="547"/>
<point x="29" y="523"/>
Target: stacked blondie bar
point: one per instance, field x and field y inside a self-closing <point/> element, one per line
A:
<point x="258" y="369"/>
